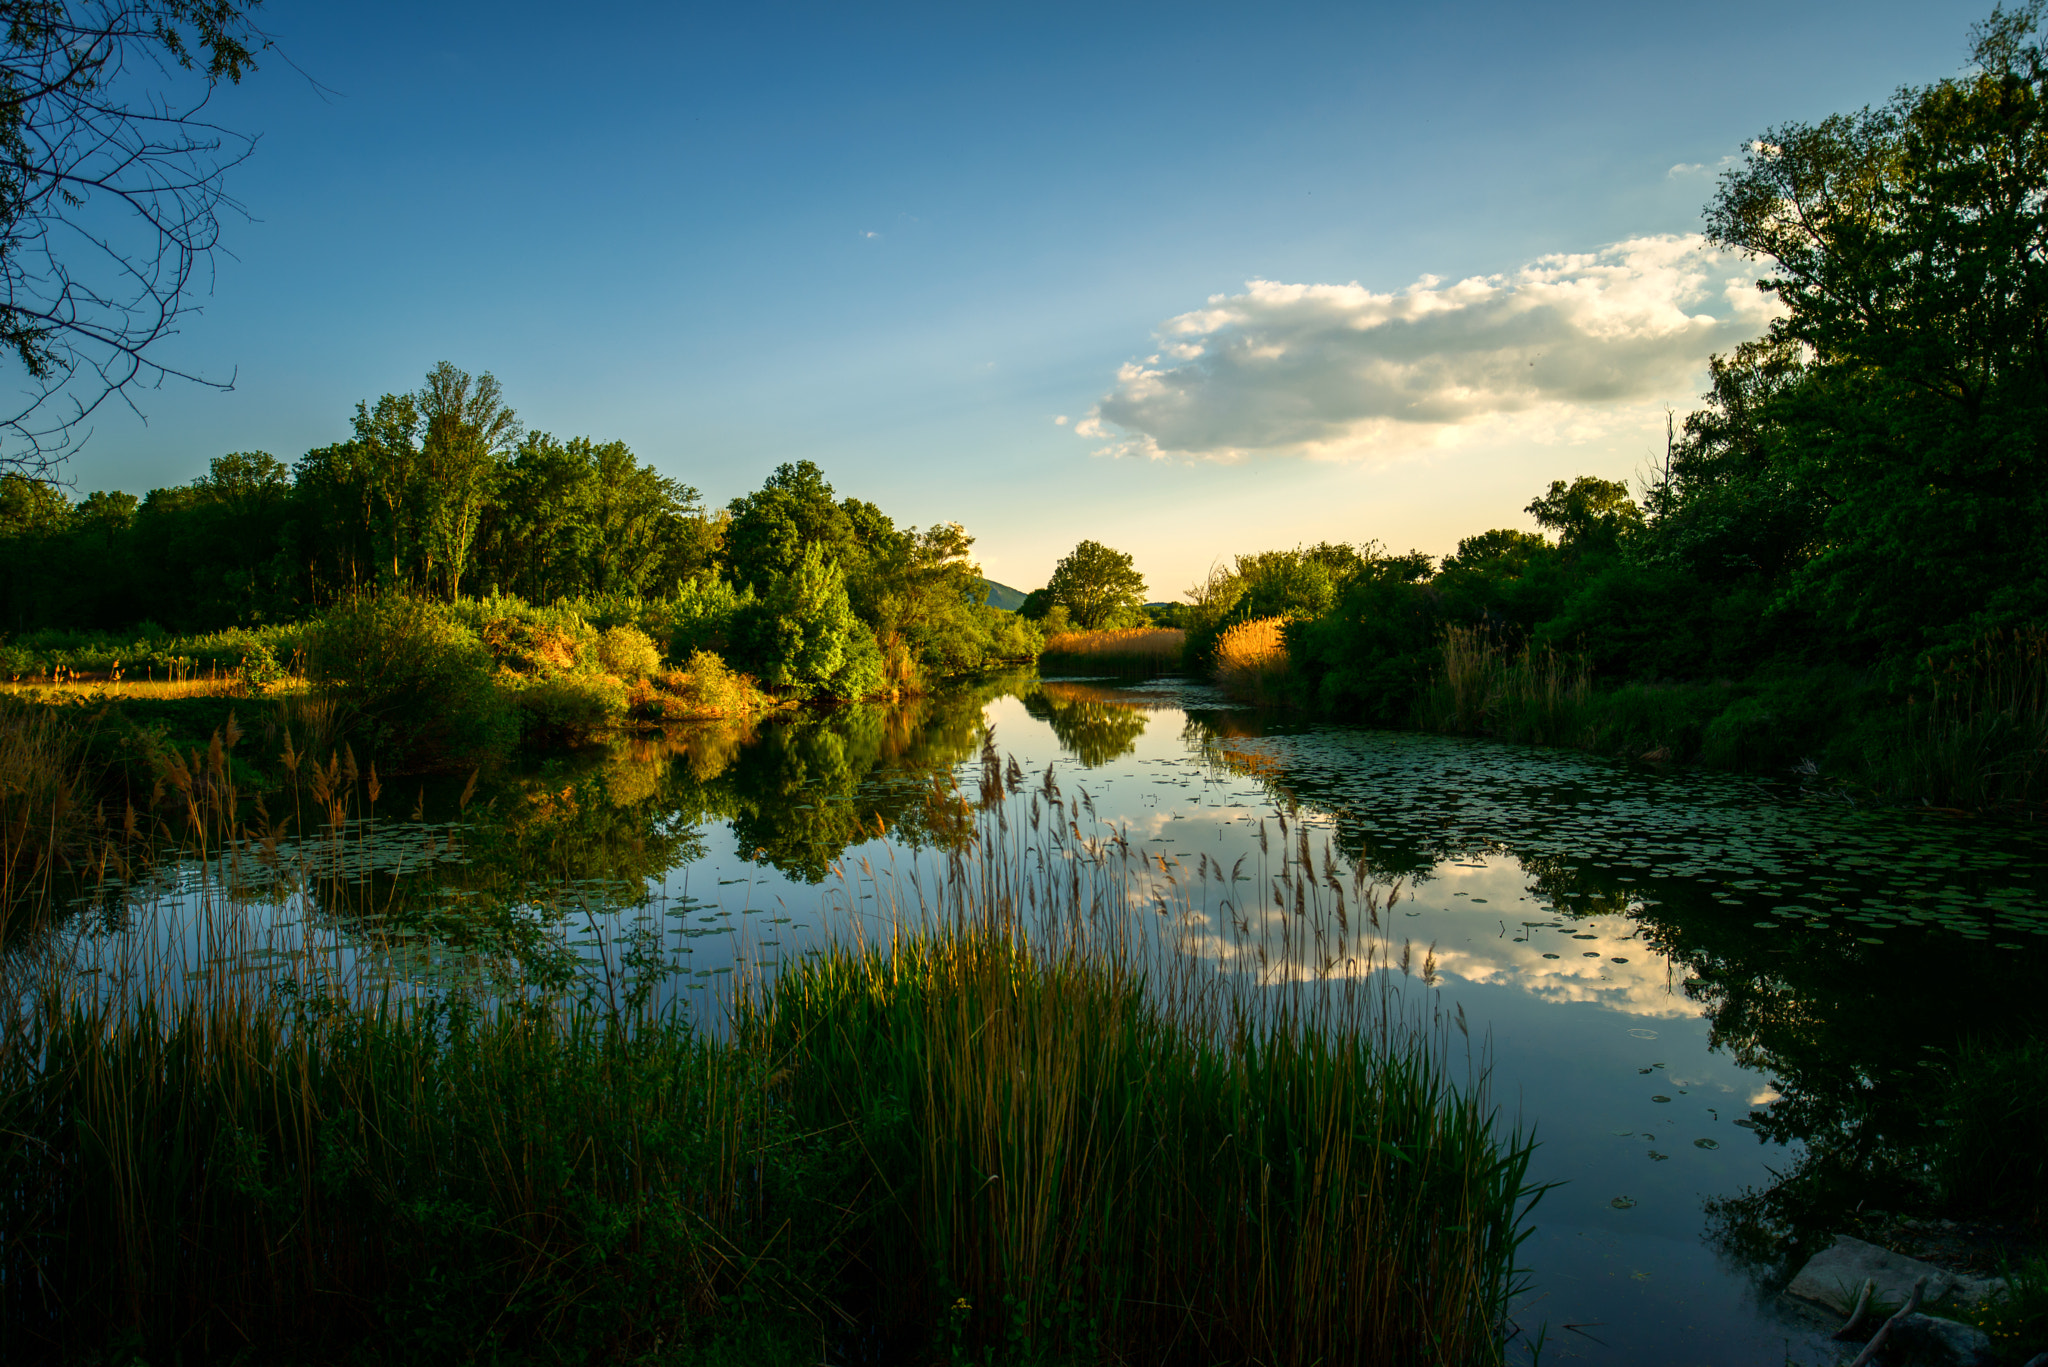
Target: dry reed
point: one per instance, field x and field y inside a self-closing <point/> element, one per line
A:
<point x="1251" y="660"/>
<point x="1138" y="651"/>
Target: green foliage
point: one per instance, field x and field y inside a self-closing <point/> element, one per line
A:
<point x="1989" y="1158"/>
<point x="2015" y="1316"/>
<point x="149" y="653"/>
<point x="627" y="652"/>
<point x="1011" y="636"/>
<point x="416" y="675"/>
<point x="1100" y="588"/>
<point x="705" y="614"/>
<point x="571" y="709"/>
<point x="1909" y="437"/>
<point x="802" y="637"/>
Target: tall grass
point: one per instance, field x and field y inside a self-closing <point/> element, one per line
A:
<point x="1138" y="652"/>
<point x="1251" y="660"/>
<point x="1979" y="736"/>
<point x="1485" y="687"/>
<point x="1059" y="1099"/>
<point x="43" y="824"/>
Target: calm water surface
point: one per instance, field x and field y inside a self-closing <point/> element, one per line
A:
<point x="1689" y="983"/>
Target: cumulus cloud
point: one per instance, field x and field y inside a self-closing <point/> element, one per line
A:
<point x="1556" y="351"/>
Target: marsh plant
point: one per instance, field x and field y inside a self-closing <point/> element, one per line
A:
<point x="1251" y="660"/>
<point x="1048" y="1098"/>
<point x="1134" y="652"/>
<point x="1485" y="687"/>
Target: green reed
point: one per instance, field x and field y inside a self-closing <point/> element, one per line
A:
<point x="1978" y="734"/>
<point x="1484" y="687"/>
<point x="1061" y="1101"/>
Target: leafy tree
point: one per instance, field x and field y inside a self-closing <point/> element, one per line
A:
<point x="793" y="510"/>
<point x="1098" y="587"/>
<point x="466" y="433"/>
<point x="1591" y="516"/>
<point x="1730" y="504"/>
<point x="1904" y="242"/>
<point x="385" y="458"/>
<point x="803" y="638"/>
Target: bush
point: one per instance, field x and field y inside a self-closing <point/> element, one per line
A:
<point x="803" y="639"/>
<point x="628" y="653"/>
<point x="418" y="679"/>
<point x="530" y="640"/>
<point x="705" y="688"/>
<point x="1991" y="1157"/>
<point x="570" y="708"/>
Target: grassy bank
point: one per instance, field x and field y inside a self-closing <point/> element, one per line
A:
<point x="1008" y="1119"/>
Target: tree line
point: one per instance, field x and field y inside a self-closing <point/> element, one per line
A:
<point x="1855" y="508"/>
<point x="441" y="494"/>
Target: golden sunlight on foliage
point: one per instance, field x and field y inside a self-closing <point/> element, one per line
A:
<point x="81" y="689"/>
<point x="1141" y="651"/>
<point x="1250" y="659"/>
<point x="1160" y="642"/>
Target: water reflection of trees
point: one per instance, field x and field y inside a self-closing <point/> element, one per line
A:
<point x="797" y="791"/>
<point x="1855" y="1037"/>
<point x="1095" y="725"/>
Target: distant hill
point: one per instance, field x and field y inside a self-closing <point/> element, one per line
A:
<point x="1003" y="596"/>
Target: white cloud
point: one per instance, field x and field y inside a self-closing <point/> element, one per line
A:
<point x="1559" y="351"/>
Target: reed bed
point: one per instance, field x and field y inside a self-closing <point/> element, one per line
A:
<point x="1486" y="687"/>
<point x="1139" y="652"/>
<point x="1979" y="736"/>
<point x="1251" y="660"/>
<point x="86" y="688"/>
<point x="1057" y="1099"/>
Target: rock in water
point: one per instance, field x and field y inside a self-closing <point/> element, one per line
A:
<point x="1833" y="1276"/>
<point x="1948" y="1343"/>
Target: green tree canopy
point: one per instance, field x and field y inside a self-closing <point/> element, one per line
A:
<point x="1099" y="587"/>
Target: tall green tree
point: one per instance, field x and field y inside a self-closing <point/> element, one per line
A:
<point x="1098" y="586"/>
<point x="1906" y="243"/>
<point x="385" y="457"/>
<point x="466" y="434"/>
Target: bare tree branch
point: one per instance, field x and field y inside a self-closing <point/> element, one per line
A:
<point x="112" y="193"/>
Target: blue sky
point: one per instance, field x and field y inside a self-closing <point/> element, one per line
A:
<point x="905" y="242"/>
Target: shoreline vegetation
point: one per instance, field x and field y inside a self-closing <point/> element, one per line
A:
<point x="1835" y="566"/>
<point x="1010" y="1119"/>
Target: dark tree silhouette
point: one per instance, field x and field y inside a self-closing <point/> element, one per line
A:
<point x="111" y="198"/>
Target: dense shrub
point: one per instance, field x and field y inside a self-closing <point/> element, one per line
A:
<point x="628" y="653"/>
<point x="417" y="678"/>
<point x="569" y="708"/>
<point x="1991" y="1158"/>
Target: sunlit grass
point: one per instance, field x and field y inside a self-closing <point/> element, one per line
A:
<point x="1251" y="659"/>
<point x="1138" y="651"/>
<point x="73" y="688"/>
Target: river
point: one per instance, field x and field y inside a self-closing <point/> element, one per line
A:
<point x="1691" y="985"/>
